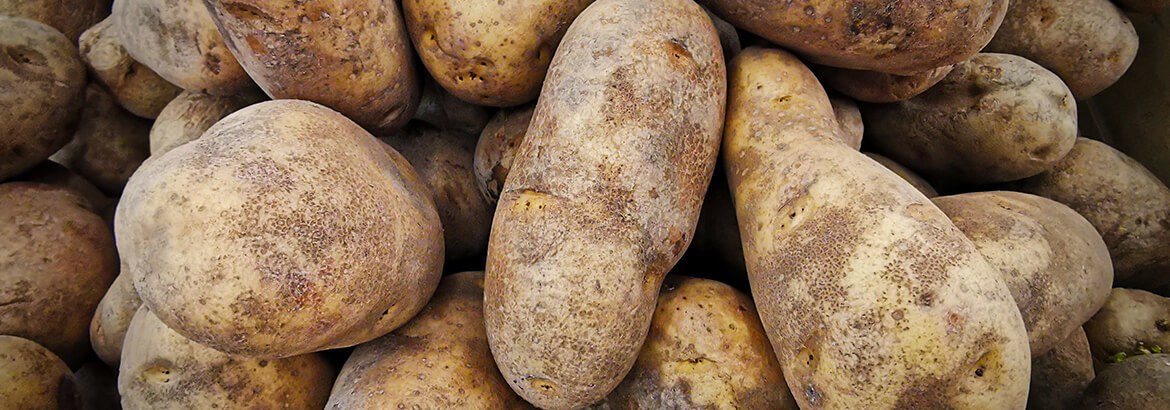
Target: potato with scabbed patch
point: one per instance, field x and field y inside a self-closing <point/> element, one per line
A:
<point x="285" y="229"/>
<point x="1135" y="383"/>
<point x="30" y="375"/>
<point x="109" y="144"/>
<point x="995" y="118"/>
<point x="497" y="146"/>
<point x="916" y="181"/>
<point x="70" y="17"/>
<point x="849" y="118"/>
<point x="876" y="87"/>
<point x="190" y="114"/>
<point x="1059" y="377"/>
<point x="137" y="88"/>
<point x="1130" y="320"/>
<point x="107" y="330"/>
<point x="871" y="297"/>
<point x="161" y="369"/>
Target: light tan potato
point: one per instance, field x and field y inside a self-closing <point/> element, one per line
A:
<point x="1055" y="264"/>
<point x="870" y="295"/>
<point x="30" y="375"/>
<point x="161" y="369"/>
<point x="107" y="330"/>
<point x="178" y="40"/>
<point x="1136" y="383"/>
<point x="876" y="87"/>
<point x="849" y="118"/>
<point x="1129" y="320"/>
<point x="70" y="17"/>
<point x="1088" y="43"/>
<point x="1059" y="377"/>
<point x="474" y="50"/>
<point x="916" y="181"/>
<point x="350" y="55"/>
<point x="57" y="258"/>
<point x="137" y="88"/>
<point x="109" y="144"/>
<point x="286" y="229"/>
<point x="42" y="84"/>
<point x="1144" y="6"/>
<point x="1127" y="204"/>
<point x="189" y="115"/>
<point x="497" y="146"/>
<point x="603" y="197"/>
<point x="442" y="110"/>
<point x="995" y="118"/>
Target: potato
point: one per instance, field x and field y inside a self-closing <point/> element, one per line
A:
<point x="706" y="349"/>
<point x="1137" y="383"/>
<point x="603" y="197"/>
<point x="444" y="111"/>
<point x="489" y="52"/>
<point x="906" y="37"/>
<point x="162" y="369"/>
<point x="1054" y="262"/>
<point x="1059" y="377"/>
<point x="190" y="114"/>
<point x="497" y="146"/>
<point x="916" y="181"/>
<point x="178" y="40"/>
<point x="877" y="87"/>
<point x="350" y="55"/>
<point x="137" y="88"/>
<point x="286" y="229"/>
<point x="107" y="330"/>
<point x="1130" y="320"/>
<point x="1144" y="6"/>
<point x="849" y="118"/>
<point x="30" y="375"/>
<point x="42" y="83"/>
<point x="994" y="118"/>
<point x="70" y="17"/>
<point x="1129" y="207"/>
<point x="870" y="295"/>
<point x="57" y="258"/>
<point x="1088" y="43"/>
<point x="109" y="144"/>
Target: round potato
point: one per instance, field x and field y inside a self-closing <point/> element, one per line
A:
<point x="109" y="144"/>
<point x="876" y="87"/>
<point x="42" y="85"/>
<point x="1137" y="383"/>
<point x="107" y="330"/>
<point x="162" y="369"/>
<point x="916" y="181"/>
<point x="849" y="118"/>
<point x="30" y="375"/>
<point x="497" y="147"/>
<point x="995" y="118"/>
<point x="137" y="88"/>
<point x="1059" y="377"/>
<point x="286" y="229"/>
<point x="1130" y="320"/>
<point x="189" y="115"/>
<point x="442" y="110"/>
<point x="70" y="17"/>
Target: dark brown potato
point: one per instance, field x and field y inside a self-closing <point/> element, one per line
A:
<point x="1131" y="320"/>
<point x="137" y="88"/>
<point x="70" y="17"/>
<point x="497" y="147"/>
<point x="876" y="87"/>
<point x="1059" y="377"/>
<point x="920" y="184"/>
<point x="189" y="115"/>
<point x="31" y="376"/>
<point x="109" y="145"/>
<point x="1135" y="383"/>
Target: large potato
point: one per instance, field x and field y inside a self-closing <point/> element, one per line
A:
<point x="30" y="375"/>
<point x="189" y="115"/>
<point x="70" y="17"/>
<point x="350" y="55"/>
<point x="57" y="258"/>
<point x="137" y="88"/>
<point x="1137" y="383"/>
<point x="42" y="85"/>
<point x="496" y="149"/>
<point x="109" y="144"/>
<point x="870" y="295"/>
<point x="161" y="369"/>
<point x="994" y="118"/>
<point x="1129" y="320"/>
<point x="877" y="87"/>
<point x="489" y="52"/>
<point x="603" y="196"/>
<point x="1059" y="377"/>
<point x="285" y="229"/>
<point x="107" y="330"/>
<point x="914" y="179"/>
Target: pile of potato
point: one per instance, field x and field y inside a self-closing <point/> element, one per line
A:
<point x="612" y="204"/>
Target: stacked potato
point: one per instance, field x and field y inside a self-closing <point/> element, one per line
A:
<point x="603" y="204"/>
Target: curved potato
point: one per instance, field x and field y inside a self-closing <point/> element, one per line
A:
<point x="107" y="330"/>
<point x="1137" y="383"/>
<point x="137" y="88"/>
<point x="995" y="118"/>
<point x="442" y="110"/>
<point x="497" y="146"/>
<point x="286" y="229"/>
<point x="849" y="118"/>
<point x="870" y="295"/>
<point x="109" y="144"/>
<point x="603" y="196"/>
<point x="916" y="181"/>
<point x="189" y="115"/>
<point x="1059" y="377"/>
<point x="1129" y="320"/>
<point x="876" y="87"/>
<point x="70" y="17"/>
<point x="30" y="375"/>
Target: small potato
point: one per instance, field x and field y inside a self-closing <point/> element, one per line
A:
<point x="162" y="369"/>
<point x="30" y="375"/>
<point x="109" y="144"/>
<point x="42" y="85"/>
<point x="849" y="118"/>
<point x="107" y="330"/>
<point x="1136" y="383"/>
<point x="497" y="147"/>
<point x="137" y="88"/>
<point x="190" y="114"/>
<point x="1127" y="204"/>
<point x="70" y="17"/>
<point x="1059" y="377"/>
<point x="1130" y="320"/>
<point x="444" y="111"/>
<point x="916" y="181"/>
<point x="876" y="87"/>
<point x="995" y="118"/>
<point x="57" y="258"/>
<point x="1088" y="43"/>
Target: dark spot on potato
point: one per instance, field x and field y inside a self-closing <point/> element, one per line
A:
<point x="1162" y="325"/>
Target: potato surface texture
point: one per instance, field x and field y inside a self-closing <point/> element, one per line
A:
<point x="286" y="229"/>
<point x="137" y="88"/>
<point x="870" y="295"/>
<point x="497" y="146"/>
<point x="914" y="179"/>
<point x="107" y="329"/>
<point x="877" y="87"/>
<point x="190" y="114"/>
<point x="30" y="375"/>
<point x="1136" y="383"/>
<point x="603" y="197"/>
<point x="1130" y="319"/>
<point x="110" y="142"/>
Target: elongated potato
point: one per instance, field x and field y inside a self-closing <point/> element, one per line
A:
<point x="110" y="143"/>
<point x="870" y="296"/>
<point x="70" y="17"/>
<point x="107" y="330"/>
<point x="1136" y="383"/>
<point x="603" y="197"/>
<point x="350" y="55"/>
<point x="137" y="88"/>
<point x="190" y="114"/>
<point x="995" y="118"/>
<point x="876" y="87"/>
<point x="1059" y="377"/>
<point x="286" y="229"/>
<point x="1129" y="320"/>
<point x="30" y="375"/>
<point x="916" y="181"/>
<point x="496" y="149"/>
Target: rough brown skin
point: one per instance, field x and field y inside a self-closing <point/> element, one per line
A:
<point x="70" y="17"/>
<point x="1127" y="204"/>
<point x="489" y="52"/>
<point x="107" y="330"/>
<point x="162" y="369"/>
<point x="1129" y="317"/>
<point x="178" y="40"/>
<point x="876" y="87"/>
<point x="706" y="349"/>
<point x="190" y="114"/>
<point x="286" y="229"/>
<point x="110" y="143"/>
<point x="57" y="257"/>
<point x="42" y="83"/>
<point x="1054" y="262"/>
<point x="870" y="296"/>
<point x="1059" y="377"/>
<point x="905" y="37"/>
<point x="137" y="88"/>
<point x="442" y="110"/>
<point x="1144" y="6"/>
<point x="1088" y="43"/>
<point x="497" y="146"/>
<point x="849" y="119"/>
<point x="994" y="118"/>
<point x="350" y="55"/>
<point x="916" y="181"/>
<point x="603" y="197"/>
<point x="1136" y="383"/>
<point x="30" y="375"/>
<point x="438" y="360"/>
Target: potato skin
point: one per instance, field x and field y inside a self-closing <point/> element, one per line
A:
<point x="472" y="49"/>
<point x="603" y="197"/>
<point x="137" y="88"/>
<point x="161" y="369"/>
<point x="190" y="114"/>
<point x="849" y="119"/>
<point x="286" y="229"/>
<point x="1136" y="383"/>
<point x="70" y="17"/>
<point x="1059" y="377"/>
<point x="870" y="296"/>
<point x="30" y="375"/>
<point x="350" y="55"/>
<point x="110" y="143"/>
<point x="995" y="118"/>
<point x="916" y="181"/>
<point x="1088" y="43"/>
<point x="1129" y="317"/>
<point x="43" y="84"/>
<point x="877" y="87"/>
<point x="107" y="330"/>
<point x="497" y="146"/>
